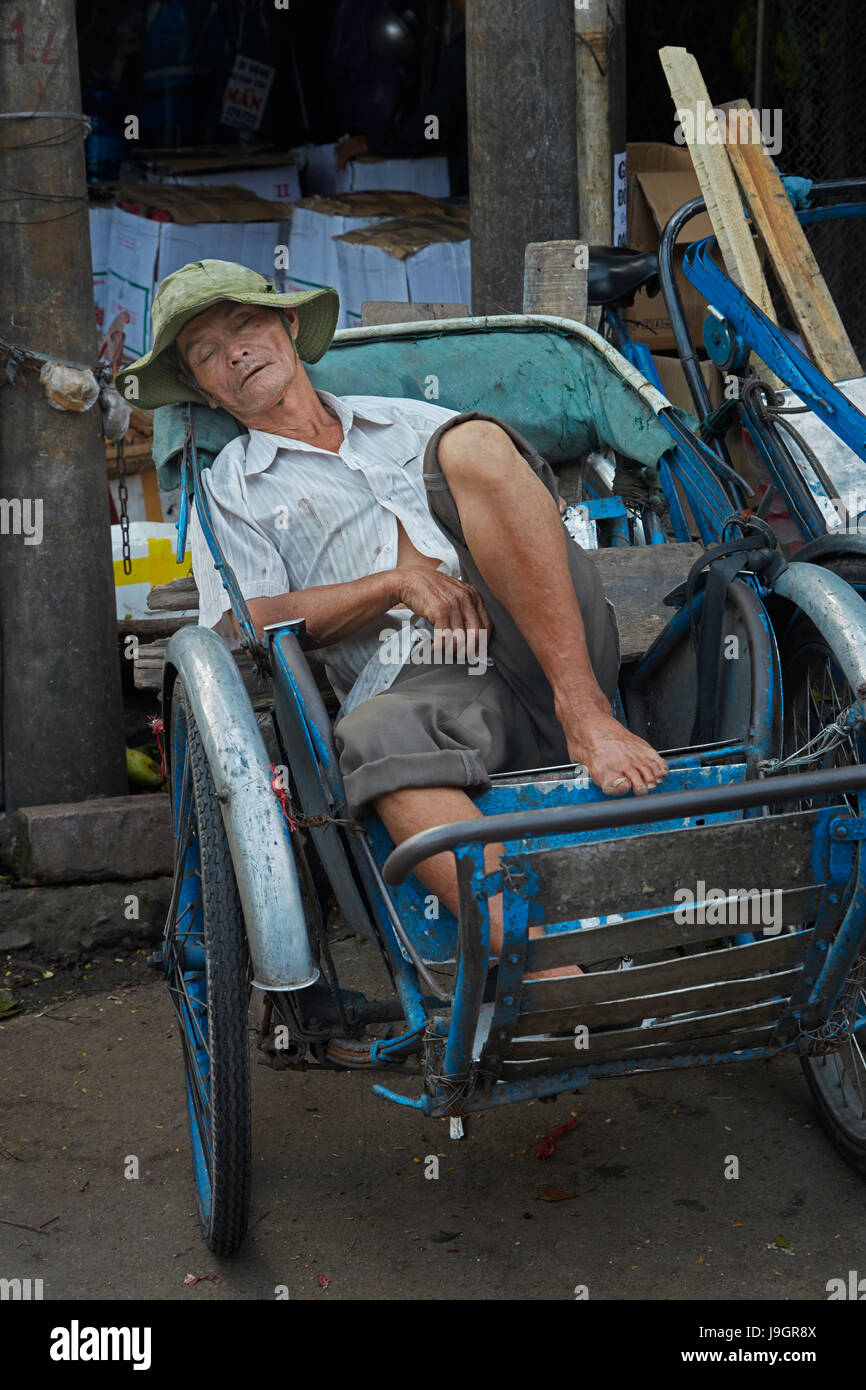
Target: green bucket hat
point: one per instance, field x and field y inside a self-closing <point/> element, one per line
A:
<point x="152" y="380"/>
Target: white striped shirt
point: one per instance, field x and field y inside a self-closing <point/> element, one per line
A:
<point x="289" y="515"/>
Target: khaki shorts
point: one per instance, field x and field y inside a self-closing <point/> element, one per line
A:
<point x="451" y="725"/>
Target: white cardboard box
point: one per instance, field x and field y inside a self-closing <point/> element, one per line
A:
<point x="428" y="175"/>
<point x="437" y="273"/>
<point x="142" y="251"/>
<point x="100" y="232"/>
<point x="313" y="260"/>
<point x="280" y="184"/>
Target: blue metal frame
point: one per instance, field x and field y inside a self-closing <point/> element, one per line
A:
<point x="743" y="321"/>
<point x="723" y="786"/>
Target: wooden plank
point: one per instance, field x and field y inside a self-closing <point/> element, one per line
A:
<point x="718" y="185"/>
<point x="716" y="177"/>
<point x="376" y="311"/>
<point x="153" y="627"/>
<point x="563" y="1059"/>
<point x="618" y="1042"/>
<point x="636" y="579"/>
<point x="664" y="978"/>
<point x="178" y="593"/>
<point x="621" y="1011"/>
<point x="631" y="938"/>
<point x="150" y="494"/>
<point x="790" y="254"/>
<point x="627" y="874"/>
<point x="555" y="279"/>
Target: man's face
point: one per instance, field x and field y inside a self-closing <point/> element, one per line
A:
<point x="240" y="356"/>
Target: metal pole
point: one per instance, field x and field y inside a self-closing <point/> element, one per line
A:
<point x="522" y="140"/>
<point x="60" y="704"/>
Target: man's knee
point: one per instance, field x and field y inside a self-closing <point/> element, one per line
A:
<point x="473" y="444"/>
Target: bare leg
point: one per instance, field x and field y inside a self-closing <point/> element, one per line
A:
<point x="411" y="809"/>
<point x="506" y="510"/>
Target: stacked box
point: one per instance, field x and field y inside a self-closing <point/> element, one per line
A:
<point x="100" y="234"/>
<point x="421" y="259"/>
<point x="142" y="250"/>
<point x="371" y="173"/>
<point x="317" y="221"/>
<point x="428" y="175"/>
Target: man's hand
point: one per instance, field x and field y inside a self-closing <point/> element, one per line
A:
<point x="444" y="601"/>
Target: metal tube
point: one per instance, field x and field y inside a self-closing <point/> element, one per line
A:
<point x="255" y="826"/>
<point x="611" y="814"/>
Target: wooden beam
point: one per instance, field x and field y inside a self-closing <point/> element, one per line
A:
<point x="790" y="254"/>
<point x="715" y="176"/>
<point x="718" y="185"/>
<point x="398" y="311"/>
<point x="554" y="279"/>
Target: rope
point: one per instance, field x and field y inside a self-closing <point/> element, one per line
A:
<point x="717" y="423"/>
<point x="766" y="403"/>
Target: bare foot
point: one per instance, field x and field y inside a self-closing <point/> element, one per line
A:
<point x="616" y="760"/>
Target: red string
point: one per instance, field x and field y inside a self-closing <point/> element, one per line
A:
<point x="546" y="1146"/>
<point x="280" y="794"/>
<point x="158" y="729"/>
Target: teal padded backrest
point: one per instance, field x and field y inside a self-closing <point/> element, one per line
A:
<point x="557" y="388"/>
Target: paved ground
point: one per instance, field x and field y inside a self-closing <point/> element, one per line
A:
<point x="339" y="1191"/>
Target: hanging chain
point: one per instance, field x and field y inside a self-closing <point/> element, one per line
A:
<point x="123" y="495"/>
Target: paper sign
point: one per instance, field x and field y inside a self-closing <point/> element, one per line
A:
<point x="246" y="93"/>
<point x="620" y="200"/>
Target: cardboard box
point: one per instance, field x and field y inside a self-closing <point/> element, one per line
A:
<point x="676" y="388"/>
<point x="428" y="175"/>
<point x="408" y="258"/>
<point x="317" y="221"/>
<point x="143" y="250"/>
<point x="100" y="234"/>
<point x="271" y="174"/>
<point x="661" y="179"/>
<point x="370" y="173"/>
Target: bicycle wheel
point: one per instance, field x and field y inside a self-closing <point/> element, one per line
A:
<point x="207" y="970"/>
<point x="816" y="694"/>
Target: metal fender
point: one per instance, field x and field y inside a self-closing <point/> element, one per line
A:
<point x="838" y="612"/>
<point x="255" y="826"/>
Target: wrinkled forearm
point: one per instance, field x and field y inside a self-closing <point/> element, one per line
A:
<point x="330" y="611"/>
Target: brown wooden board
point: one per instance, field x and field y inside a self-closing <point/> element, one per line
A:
<point x="619" y="1042"/>
<point x="569" y="1057"/>
<point x="668" y="976"/>
<point x="636" y="579"/>
<point x="555" y="279"/>
<point x="178" y="593"/>
<point x="718" y="184"/>
<point x="642" y="935"/>
<point x="627" y="874"/>
<point x="790" y="254"/>
<point x="375" y="311"/>
<point x="607" y="1015"/>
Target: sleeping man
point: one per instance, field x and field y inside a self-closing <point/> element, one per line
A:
<point x="339" y="509"/>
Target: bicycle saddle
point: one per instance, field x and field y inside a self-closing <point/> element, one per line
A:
<point x="616" y="273"/>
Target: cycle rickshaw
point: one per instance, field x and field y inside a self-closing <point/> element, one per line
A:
<point x="764" y="795"/>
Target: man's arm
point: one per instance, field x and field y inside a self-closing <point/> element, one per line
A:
<point x="335" y="611"/>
